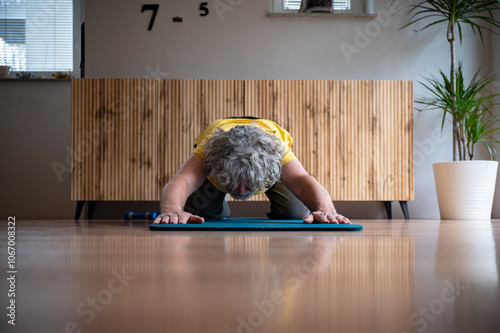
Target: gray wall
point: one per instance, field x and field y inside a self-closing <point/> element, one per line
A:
<point x="241" y="43"/>
<point x="35" y="129"/>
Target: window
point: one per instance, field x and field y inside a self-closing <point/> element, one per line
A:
<point x="36" y="35"/>
<point x="337" y="4"/>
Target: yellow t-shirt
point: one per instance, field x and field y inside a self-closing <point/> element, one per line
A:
<point x="227" y="124"/>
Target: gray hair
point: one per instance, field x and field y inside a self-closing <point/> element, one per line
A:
<point x="246" y="154"/>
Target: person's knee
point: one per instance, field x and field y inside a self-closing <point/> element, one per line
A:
<point x="291" y="212"/>
<point x="284" y="205"/>
<point x="207" y="202"/>
<point x="298" y="213"/>
<point x="214" y="210"/>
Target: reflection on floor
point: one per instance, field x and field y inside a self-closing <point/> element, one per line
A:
<point x="394" y="276"/>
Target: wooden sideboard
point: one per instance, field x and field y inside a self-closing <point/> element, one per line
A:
<point x="130" y="136"/>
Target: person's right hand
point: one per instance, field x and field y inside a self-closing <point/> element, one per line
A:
<point x="175" y="217"/>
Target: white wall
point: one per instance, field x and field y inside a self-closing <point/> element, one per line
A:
<point x="244" y="43"/>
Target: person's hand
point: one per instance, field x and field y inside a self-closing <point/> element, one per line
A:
<point x="178" y="217"/>
<point x="323" y="216"/>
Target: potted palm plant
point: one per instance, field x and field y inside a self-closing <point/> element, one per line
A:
<point x="465" y="187"/>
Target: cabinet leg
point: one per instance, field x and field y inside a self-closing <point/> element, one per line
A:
<point x="91" y="208"/>
<point x="388" y="209"/>
<point x="79" y="208"/>
<point x="404" y="208"/>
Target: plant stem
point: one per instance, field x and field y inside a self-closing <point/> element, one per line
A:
<point x="450" y="34"/>
<point x="463" y="143"/>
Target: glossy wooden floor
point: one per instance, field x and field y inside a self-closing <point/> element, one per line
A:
<point x="116" y="276"/>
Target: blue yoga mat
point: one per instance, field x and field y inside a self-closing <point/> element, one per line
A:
<point x="255" y="225"/>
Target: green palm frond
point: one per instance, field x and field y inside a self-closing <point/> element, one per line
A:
<point x="477" y="14"/>
<point x="471" y="104"/>
<point x="470" y="110"/>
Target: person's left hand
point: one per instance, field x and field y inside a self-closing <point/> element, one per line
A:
<point x="323" y="216"/>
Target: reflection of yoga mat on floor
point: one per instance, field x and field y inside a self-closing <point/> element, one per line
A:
<point x="239" y="224"/>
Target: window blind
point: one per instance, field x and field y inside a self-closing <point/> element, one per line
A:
<point x="36" y="35"/>
<point x="337" y="4"/>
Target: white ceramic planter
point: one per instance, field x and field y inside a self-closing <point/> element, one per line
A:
<point x="465" y="189"/>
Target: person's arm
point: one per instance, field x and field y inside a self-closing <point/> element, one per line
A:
<point x="307" y="189"/>
<point x="174" y="195"/>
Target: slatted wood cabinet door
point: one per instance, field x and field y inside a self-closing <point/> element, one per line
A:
<point x="130" y="136"/>
<point x="355" y="137"/>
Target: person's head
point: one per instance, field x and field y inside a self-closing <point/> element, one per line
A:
<point x="244" y="159"/>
